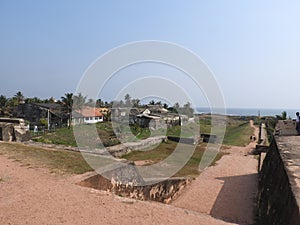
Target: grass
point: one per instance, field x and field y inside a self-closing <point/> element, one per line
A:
<point x="238" y="135"/>
<point x="56" y="160"/>
<point x="191" y="168"/>
<point x="65" y="136"/>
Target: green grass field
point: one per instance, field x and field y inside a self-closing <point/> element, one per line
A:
<point x="237" y="133"/>
<point x="191" y="169"/>
<point x="58" y="161"/>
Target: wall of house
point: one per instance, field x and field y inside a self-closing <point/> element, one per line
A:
<point x="93" y="119"/>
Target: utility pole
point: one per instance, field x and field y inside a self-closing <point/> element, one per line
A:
<point x="48" y="119"/>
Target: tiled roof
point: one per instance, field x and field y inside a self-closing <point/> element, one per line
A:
<point x="89" y="112"/>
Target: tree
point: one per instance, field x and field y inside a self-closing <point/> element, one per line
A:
<point x="135" y="102"/>
<point x="79" y="101"/>
<point x="176" y="106"/>
<point x="158" y="103"/>
<point x="3" y="101"/>
<point x="99" y="103"/>
<point x="127" y="99"/>
<point x="19" y="97"/>
<point x="165" y="105"/>
<point x="188" y="110"/>
<point x="152" y="102"/>
<point x="67" y="101"/>
<point x="284" y="115"/>
<point x="91" y="103"/>
<point x="33" y="100"/>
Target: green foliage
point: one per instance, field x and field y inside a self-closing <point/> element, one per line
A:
<point x="284" y="114"/>
<point x="44" y="122"/>
<point x="3" y="101"/>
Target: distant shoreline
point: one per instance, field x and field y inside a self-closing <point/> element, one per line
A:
<point x="250" y="111"/>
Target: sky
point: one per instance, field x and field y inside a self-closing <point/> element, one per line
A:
<point x="251" y="47"/>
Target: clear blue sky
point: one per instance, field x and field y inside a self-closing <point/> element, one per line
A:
<point x="253" y="47"/>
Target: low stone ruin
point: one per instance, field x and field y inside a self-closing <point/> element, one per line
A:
<point x="126" y="182"/>
<point x="14" y="129"/>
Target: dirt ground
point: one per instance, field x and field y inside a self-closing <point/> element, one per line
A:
<point x="222" y="194"/>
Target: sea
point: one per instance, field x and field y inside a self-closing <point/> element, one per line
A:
<point x="251" y="111"/>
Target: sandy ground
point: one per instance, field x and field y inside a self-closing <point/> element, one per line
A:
<point x="34" y="196"/>
<point x="226" y="191"/>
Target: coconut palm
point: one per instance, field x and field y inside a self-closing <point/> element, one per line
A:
<point x="79" y="101"/>
<point x="67" y="101"/>
<point x="19" y="98"/>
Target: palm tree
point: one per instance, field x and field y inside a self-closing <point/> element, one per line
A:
<point x="67" y="101"/>
<point x="19" y="98"/>
<point x="127" y="99"/>
<point x="79" y="101"/>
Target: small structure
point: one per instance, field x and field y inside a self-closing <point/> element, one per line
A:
<point x="14" y="129"/>
<point x="157" y="117"/>
<point x="87" y="115"/>
<point x="54" y="113"/>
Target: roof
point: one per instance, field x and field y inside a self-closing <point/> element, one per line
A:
<point x="48" y="105"/>
<point x="88" y="112"/>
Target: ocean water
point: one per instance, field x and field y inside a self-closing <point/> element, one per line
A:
<point x="252" y="111"/>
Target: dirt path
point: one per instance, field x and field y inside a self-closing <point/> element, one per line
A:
<point x="34" y="196"/>
<point x="226" y="191"/>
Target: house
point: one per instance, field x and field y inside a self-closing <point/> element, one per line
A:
<point x="157" y="117"/>
<point x="87" y="115"/>
<point x="125" y="114"/>
<point x="54" y="113"/>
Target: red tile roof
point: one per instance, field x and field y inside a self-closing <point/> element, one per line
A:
<point x="90" y="112"/>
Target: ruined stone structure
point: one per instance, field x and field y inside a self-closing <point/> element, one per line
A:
<point x="279" y="183"/>
<point x="163" y="191"/>
<point x="13" y="129"/>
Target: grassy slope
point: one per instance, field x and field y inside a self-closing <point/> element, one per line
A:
<point x="237" y="133"/>
<point x="57" y="161"/>
<point x="65" y="136"/>
<point x="164" y="150"/>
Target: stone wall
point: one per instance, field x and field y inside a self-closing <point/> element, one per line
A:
<point x="277" y="202"/>
<point x="164" y="191"/>
<point x="14" y="132"/>
<point x="122" y="149"/>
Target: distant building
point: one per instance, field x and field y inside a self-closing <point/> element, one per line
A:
<point x="87" y="115"/>
<point x="54" y="113"/>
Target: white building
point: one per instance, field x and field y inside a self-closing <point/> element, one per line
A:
<point x="87" y="115"/>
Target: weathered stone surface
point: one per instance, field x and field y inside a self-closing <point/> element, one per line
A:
<point x="122" y="149"/>
<point x="13" y="129"/>
<point x="164" y="191"/>
<point x="279" y="189"/>
<point x="21" y="134"/>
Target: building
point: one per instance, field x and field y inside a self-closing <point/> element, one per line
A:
<point x="87" y="115"/>
<point x="54" y="113"/>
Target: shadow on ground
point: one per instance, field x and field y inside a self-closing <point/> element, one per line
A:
<point x="232" y="204"/>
